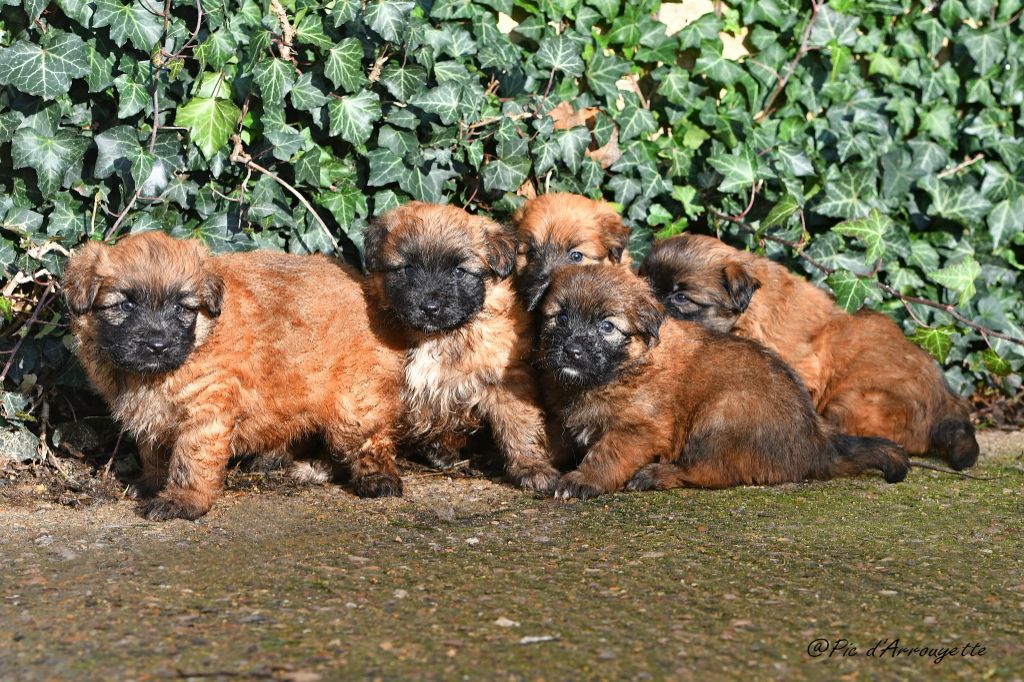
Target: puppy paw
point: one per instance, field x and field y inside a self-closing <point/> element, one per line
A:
<point x="540" y="478"/>
<point x="164" y="508"/>
<point x="378" y="485"/>
<point x="647" y="478"/>
<point x="575" y="485"/>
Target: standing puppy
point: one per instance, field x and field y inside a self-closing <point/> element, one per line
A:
<point x="203" y="357"/>
<point x="564" y="229"/>
<point x="440" y="275"/>
<point x="862" y="372"/>
<point x="699" y="408"/>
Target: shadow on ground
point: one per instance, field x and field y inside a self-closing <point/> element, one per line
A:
<point x="470" y="579"/>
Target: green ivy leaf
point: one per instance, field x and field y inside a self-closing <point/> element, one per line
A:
<point x="275" y="78"/>
<point x="870" y="231"/>
<point x="50" y="156"/>
<point x="210" y="122"/>
<point x="386" y="167"/>
<point x="987" y="48"/>
<point x="129" y="23"/>
<point x="739" y="170"/>
<point x="560" y="53"/>
<point x="344" y="65"/>
<point x="345" y="204"/>
<point x="45" y="70"/>
<point x="387" y="17"/>
<point x="936" y="340"/>
<point x="1006" y="220"/>
<point x="510" y="168"/>
<point x="442" y="100"/>
<point x="851" y="291"/>
<point x="958" y="277"/>
<point x="403" y="82"/>
<point x="353" y="116"/>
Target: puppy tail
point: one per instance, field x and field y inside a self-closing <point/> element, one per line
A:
<point x="857" y="454"/>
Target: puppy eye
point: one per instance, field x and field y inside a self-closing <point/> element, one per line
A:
<point x="679" y="297"/>
<point x="459" y="272"/>
<point x="127" y="305"/>
<point x="576" y="256"/>
<point x="606" y="327"/>
<point x="531" y="252"/>
<point x="562" y="317"/>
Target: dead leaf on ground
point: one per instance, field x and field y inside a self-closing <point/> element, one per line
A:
<point x="609" y="153"/>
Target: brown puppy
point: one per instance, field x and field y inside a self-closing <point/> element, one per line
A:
<point x="666" y="406"/>
<point x="564" y="229"/>
<point x="862" y="372"/>
<point x="440" y="275"/>
<point x="203" y="357"/>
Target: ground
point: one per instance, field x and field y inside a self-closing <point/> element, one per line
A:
<point x="470" y="579"/>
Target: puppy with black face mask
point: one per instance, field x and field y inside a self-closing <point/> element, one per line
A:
<point x="441" y="277"/>
<point x="202" y="358"/>
<point x="654" y="406"/>
<point x="863" y="374"/>
<point x="558" y="229"/>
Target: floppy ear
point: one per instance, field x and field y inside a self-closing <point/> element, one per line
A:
<point x="212" y="295"/>
<point x="649" y="314"/>
<point x="373" y="241"/>
<point x="502" y="244"/>
<point x="616" y="234"/>
<point x="80" y="281"/>
<point x="740" y="285"/>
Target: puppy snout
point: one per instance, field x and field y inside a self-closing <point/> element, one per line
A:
<point x="573" y="350"/>
<point x="430" y="305"/>
<point x="157" y="346"/>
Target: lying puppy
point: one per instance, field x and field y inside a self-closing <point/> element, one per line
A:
<point x="440" y="275"/>
<point x="564" y="229"/>
<point x="203" y="357"/>
<point x="862" y="372"/>
<point x="657" y="407"/>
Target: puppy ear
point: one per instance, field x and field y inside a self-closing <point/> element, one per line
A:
<point x="649" y="314"/>
<point x="502" y="245"/>
<point x="373" y="241"/>
<point x="740" y="285"/>
<point x="212" y="295"/>
<point x="616" y="234"/>
<point x="80" y="282"/>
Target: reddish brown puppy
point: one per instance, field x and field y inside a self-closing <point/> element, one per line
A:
<point x="564" y="229"/>
<point x="204" y="357"/>
<point x="862" y="372"/>
<point x="661" y="406"/>
<point x="441" y="277"/>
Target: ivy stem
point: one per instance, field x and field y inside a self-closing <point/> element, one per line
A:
<point x="287" y="32"/>
<point x="801" y="51"/>
<point x="239" y="155"/>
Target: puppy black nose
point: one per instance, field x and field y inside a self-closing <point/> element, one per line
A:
<point x="158" y="346"/>
<point x="573" y="351"/>
<point x="430" y="306"/>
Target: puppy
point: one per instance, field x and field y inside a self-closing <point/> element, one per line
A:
<point x="564" y="229"/>
<point x="863" y="374"/>
<point x="441" y="277"/>
<point x="203" y="357"/>
<point x="657" y="407"/>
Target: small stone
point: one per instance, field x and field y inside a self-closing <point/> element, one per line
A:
<point x="472" y="541"/>
<point x="506" y="623"/>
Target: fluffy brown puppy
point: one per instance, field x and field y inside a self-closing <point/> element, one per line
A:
<point x="862" y="372"/>
<point x="564" y="229"/>
<point x="441" y="276"/>
<point x="658" y="406"/>
<point x="203" y="357"/>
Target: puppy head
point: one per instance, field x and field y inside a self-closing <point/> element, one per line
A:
<point x="431" y="264"/>
<point x="563" y="229"/>
<point x="699" y="278"/>
<point x="596" y="320"/>
<point x="141" y="299"/>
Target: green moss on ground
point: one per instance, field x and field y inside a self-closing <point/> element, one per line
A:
<point x="447" y="582"/>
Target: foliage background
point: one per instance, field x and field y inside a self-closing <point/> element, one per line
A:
<point x="875" y="145"/>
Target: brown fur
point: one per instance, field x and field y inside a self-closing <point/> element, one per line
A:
<point x="686" y="405"/>
<point x="862" y="372"/>
<point x="552" y="226"/>
<point x="288" y="350"/>
<point x="477" y="374"/>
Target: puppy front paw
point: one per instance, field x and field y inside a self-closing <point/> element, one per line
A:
<point x="575" y="485"/>
<point x="378" y="485"/>
<point x="540" y="478"/>
<point x="647" y="478"/>
<point x="166" y="507"/>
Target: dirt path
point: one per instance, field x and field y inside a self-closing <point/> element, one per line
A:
<point x="469" y="579"/>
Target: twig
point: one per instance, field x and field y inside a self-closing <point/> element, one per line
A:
<point x="287" y="32"/>
<point x="123" y="214"/>
<point x="969" y="161"/>
<point x="239" y="155"/>
<point x="21" y="340"/>
<point x="800" y="53"/>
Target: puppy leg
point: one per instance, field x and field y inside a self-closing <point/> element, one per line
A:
<point x="611" y="462"/>
<point x="519" y="431"/>
<point x="154" y="469"/>
<point x="370" y="455"/>
<point x="666" y="475"/>
<point x="196" y="472"/>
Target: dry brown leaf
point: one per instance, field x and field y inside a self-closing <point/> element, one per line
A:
<point x="566" y="117"/>
<point x="609" y="153"/>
